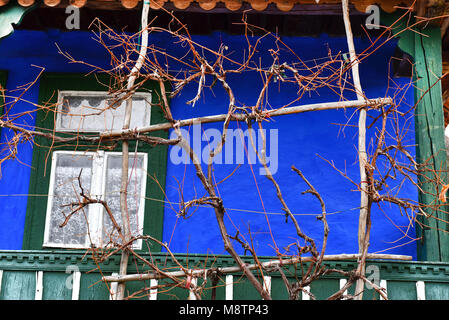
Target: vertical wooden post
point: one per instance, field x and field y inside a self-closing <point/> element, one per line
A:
<point x="125" y="147"/>
<point x="429" y="130"/>
<point x="363" y="233"/>
<point x="424" y="45"/>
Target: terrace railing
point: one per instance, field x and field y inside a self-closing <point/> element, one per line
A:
<point x="74" y="275"/>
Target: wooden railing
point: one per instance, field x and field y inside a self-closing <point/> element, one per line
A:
<point x="73" y="275"/>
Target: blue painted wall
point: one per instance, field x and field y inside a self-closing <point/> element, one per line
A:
<point x="301" y="138"/>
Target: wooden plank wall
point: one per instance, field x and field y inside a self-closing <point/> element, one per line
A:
<point x="51" y="285"/>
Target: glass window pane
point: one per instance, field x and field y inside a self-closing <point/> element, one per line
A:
<point x="112" y="194"/>
<point x="66" y="191"/>
<point x="92" y="111"/>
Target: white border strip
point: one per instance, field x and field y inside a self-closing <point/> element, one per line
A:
<point x="267" y="283"/>
<point x="305" y="296"/>
<point x="76" y="285"/>
<point x="229" y="287"/>
<point x="383" y="284"/>
<point x="153" y="292"/>
<point x="1" y="278"/>
<point x="39" y="285"/>
<point x="192" y="295"/>
<point x="420" y="290"/>
<point x="113" y="288"/>
<point x="342" y="284"/>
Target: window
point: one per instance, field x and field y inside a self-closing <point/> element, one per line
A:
<point x="83" y="111"/>
<point x="61" y="170"/>
<point x="99" y="174"/>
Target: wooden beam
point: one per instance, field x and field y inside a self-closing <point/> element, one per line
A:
<point x="429" y="127"/>
<point x="424" y="45"/>
<point x="242" y="117"/>
<point x="267" y="264"/>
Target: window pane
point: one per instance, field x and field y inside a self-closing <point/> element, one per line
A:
<point x="112" y="195"/>
<point x="66" y="191"/>
<point x="91" y="111"/>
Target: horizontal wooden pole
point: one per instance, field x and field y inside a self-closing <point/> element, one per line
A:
<point x="267" y="113"/>
<point x="267" y="264"/>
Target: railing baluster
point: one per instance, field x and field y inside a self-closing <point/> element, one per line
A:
<point x="39" y="285"/>
<point x="229" y="287"/>
<point x="306" y="296"/>
<point x="153" y="292"/>
<point x="420" y="290"/>
<point x="342" y="284"/>
<point x="113" y="288"/>
<point x="76" y="285"/>
<point x="267" y="283"/>
<point x="192" y="295"/>
<point x="383" y="284"/>
<point x="1" y="277"/>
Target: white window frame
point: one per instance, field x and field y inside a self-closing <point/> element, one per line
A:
<point x="62" y="93"/>
<point x="95" y="212"/>
<point x="141" y="210"/>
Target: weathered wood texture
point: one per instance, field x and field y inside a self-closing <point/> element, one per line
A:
<point x="19" y="271"/>
<point x="424" y="45"/>
<point x="429" y="127"/>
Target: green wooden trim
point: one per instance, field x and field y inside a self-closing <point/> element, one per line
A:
<point x="55" y="287"/>
<point x="18" y="285"/>
<point x="429" y="128"/>
<point x="20" y="267"/>
<point x="425" y="47"/>
<point x="58" y="260"/>
<point x="41" y="163"/>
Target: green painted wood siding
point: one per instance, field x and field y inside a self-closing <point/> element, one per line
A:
<point x="429" y="126"/>
<point x="402" y="290"/>
<point x="19" y="270"/>
<point x="18" y="285"/>
<point x="424" y="45"/>
<point x="55" y="286"/>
